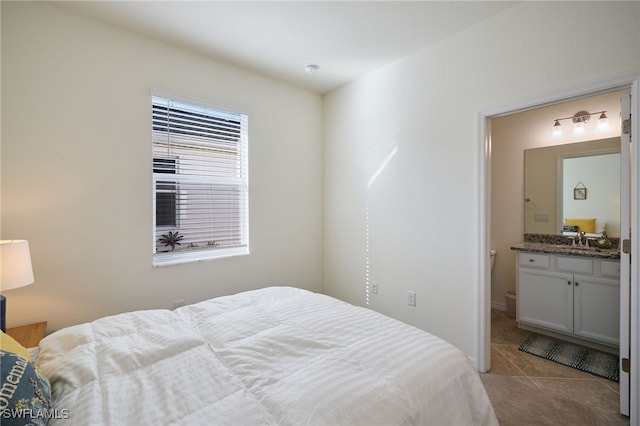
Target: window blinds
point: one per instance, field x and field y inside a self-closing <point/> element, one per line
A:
<point x="200" y="181"/>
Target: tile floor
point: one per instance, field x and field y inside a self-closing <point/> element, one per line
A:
<point x="506" y="359"/>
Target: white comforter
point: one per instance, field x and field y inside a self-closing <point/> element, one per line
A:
<point x="276" y="356"/>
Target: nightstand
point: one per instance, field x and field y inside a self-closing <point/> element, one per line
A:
<point x="29" y="335"/>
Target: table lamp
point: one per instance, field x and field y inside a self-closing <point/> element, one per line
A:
<point x="15" y="270"/>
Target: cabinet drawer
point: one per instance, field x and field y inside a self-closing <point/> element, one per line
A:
<point x="534" y="260"/>
<point x="574" y="264"/>
<point x="610" y="269"/>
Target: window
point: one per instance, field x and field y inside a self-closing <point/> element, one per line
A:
<point x="166" y="195"/>
<point x="200" y="182"/>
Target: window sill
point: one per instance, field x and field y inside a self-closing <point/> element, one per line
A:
<point x="187" y="256"/>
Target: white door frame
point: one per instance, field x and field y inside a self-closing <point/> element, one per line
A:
<point x="483" y="344"/>
<point x="625" y="258"/>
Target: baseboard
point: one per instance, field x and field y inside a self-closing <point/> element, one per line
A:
<point x="498" y="306"/>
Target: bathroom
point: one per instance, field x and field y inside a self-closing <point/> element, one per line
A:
<point x="511" y="135"/>
<point x="512" y="215"/>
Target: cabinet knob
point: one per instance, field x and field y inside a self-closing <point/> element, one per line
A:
<point x="531" y="260"/>
<point x="577" y="283"/>
<point x="568" y="282"/>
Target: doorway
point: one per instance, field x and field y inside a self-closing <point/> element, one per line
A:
<point x="490" y="234"/>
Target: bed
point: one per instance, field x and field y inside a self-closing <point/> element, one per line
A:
<point x="275" y="356"/>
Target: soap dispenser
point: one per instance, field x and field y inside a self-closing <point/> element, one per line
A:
<point x="604" y="242"/>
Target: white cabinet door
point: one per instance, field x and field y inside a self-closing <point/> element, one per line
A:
<point x="597" y="309"/>
<point x="545" y="299"/>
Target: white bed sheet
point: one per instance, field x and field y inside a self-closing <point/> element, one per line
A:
<point x="275" y="356"/>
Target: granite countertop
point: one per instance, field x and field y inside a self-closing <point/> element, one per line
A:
<point x="566" y="249"/>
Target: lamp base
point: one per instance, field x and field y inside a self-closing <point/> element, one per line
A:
<point x="3" y="312"/>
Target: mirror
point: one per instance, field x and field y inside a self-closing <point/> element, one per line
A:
<point x="573" y="181"/>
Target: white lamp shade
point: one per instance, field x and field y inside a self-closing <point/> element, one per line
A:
<point x="603" y="123"/>
<point x="15" y="264"/>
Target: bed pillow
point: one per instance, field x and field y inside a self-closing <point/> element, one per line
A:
<point x="26" y="392"/>
<point x="584" y="225"/>
<point x="9" y="344"/>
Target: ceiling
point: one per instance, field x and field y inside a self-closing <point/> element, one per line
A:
<point x="278" y="38"/>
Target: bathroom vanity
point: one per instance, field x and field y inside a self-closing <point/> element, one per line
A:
<point x="569" y="292"/>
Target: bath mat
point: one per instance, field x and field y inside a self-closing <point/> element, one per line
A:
<point x="584" y="359"/>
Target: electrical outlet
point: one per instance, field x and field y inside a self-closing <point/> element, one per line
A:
<point x="411" y="298"/>
<point x="178" y="303"/>
<point x="374" y="288"/>
<point x="541" y="217"/>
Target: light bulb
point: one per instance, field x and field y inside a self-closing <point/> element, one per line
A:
<point x="556" y="132"/>
<point x="579" y="128"/>
<point x="603" y="123"/>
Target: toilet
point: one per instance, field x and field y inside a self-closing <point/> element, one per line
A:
<point x="510" y="295"/>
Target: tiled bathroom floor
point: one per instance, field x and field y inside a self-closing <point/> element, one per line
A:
<point x="507" y="360"/>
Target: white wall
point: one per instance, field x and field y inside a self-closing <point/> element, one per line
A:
<point x="417" y="226"/>
<point x="76" y="169"/>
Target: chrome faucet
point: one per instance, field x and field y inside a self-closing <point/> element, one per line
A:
<point x="580" y="236"/>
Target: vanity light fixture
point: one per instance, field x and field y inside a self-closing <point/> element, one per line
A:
<point x="579" y="120"/>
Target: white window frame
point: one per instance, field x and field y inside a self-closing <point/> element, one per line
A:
<point x="239" y="180"/>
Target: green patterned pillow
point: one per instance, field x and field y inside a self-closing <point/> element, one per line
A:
<point x="25" y="395"/>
